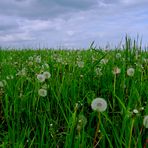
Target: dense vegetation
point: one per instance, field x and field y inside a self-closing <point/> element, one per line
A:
<point x="46" y="96"/>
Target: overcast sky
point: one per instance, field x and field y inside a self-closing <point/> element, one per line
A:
<point x="71" y="23"/>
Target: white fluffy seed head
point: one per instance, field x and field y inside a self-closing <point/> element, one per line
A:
<point x="116" y="70"/>
<point x="99" y="104"/>
<point x="80" y="64"/>
<point x="130" y="72"/>
<point x="145" y="121"/>
<point x="42" y="92"/>
<point x="47" y="75"/>
<point x="38" y="59"/>
<point x="41" y="77"/>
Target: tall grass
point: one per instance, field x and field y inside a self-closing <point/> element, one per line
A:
<point x="77" y="77"/>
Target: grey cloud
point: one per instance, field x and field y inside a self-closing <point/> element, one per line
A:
<point x="77" y="4"/>
<point x="8" y="25"/>
<point x="43" y="9"/>
<point x="111" y="1"/>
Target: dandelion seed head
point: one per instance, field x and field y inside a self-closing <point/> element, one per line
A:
<point x="47" y="75"/>
<point x="38" y="59"/>
<point x="116" y="70"/>
<point x="130" y="72"/>
<point x="99" y="104"/>
<point x="41" y="77"/>
<point x="42" y="92"/>
<point x="80" y="64"/>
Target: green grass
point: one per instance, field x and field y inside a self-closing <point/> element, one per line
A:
<point x="77" y="77"/>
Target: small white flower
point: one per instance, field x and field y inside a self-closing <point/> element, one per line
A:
<point x="41" y="77"/>
<point x="145" y="121"/>
<point x="135" y="111"/>
<point x="47" y="75"/>
<point x="116" y="70"/>
<point x="1" y="84"/>
<point x="99" y="104"/>
<point x="42" y="92"/>
<point x="130" y="72"/>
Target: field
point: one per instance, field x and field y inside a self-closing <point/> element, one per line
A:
<point x="46" y="98"/>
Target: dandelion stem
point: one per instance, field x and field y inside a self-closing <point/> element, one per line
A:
<point x="98" y="125"/>
<point x="114" y="94"/>
<point x="139" y="136"/>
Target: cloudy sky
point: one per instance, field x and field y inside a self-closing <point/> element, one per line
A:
<point x="71" y="23"/>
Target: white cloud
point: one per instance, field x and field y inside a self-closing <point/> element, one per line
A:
<point x="16" y="37"/>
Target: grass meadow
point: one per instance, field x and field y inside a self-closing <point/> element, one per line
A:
<point x="46" y="98"/>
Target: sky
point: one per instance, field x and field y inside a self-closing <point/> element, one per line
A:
<point x="71" y="23"/>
